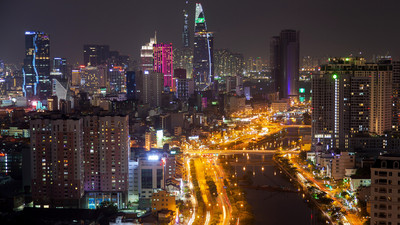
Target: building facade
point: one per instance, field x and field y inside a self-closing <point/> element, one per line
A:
<point x="94" y="55"/>
<point x="57" y="161"/>
<point x="284" y="58"/>
<point x="146" y="54"/>
<point x="36" y="69"/>
<point x="164" y="63"/>
<point x="342" y="101"/>
<point x="385" y="197"/>
<point x="203" y="53"/>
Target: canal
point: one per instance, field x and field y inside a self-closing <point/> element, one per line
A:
<point x="274" y="198"/>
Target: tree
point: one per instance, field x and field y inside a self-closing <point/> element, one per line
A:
<point x="106" y="210"/>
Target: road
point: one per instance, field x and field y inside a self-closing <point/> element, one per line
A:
<point x="350" y="217"/>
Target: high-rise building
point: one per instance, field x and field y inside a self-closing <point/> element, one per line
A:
<point x="73" y="155"/>
<point x="385" y="192"/>
<point x="396" y="96"/>
<point x="380" y="116"/>
<point x="57" y="161"/>
<point x="181" y="84"/>
<point x="146" y="54"/>
<point x="94" y="55"/>
<point x="60" y="68"/>
<point x="131" y="84"/>
<point x="90" y="79"/>
<point x="203" y="53"/>
<point x="285" y="53"/>
<point x="116" y="80"/>
<point x="36" y="69"/>
<point x="163" y="62"/>
<point x="275" y="62"/>
<point x="185" y="32"/>
<point x="2" y="69"/>
<point x="106" y="153"/>
<point x="150" y="86"/>
<point x="227" y="63"/>
<point x="183" y="59"/>
<point x="342" y="101"/>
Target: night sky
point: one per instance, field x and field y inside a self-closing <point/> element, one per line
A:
<point x="328" y="27"/>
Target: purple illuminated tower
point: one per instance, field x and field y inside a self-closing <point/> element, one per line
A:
<point x="285" y="50"/>
<point x="163" y="62"/>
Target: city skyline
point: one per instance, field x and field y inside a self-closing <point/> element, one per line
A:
<point x="328" y="35"/>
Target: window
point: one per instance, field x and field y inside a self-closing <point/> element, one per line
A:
<point x="159" y="177"/>
<point x="147" y="178"/>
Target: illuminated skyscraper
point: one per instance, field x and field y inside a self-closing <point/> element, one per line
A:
<point x="36" y="69"/>
<point x="146" y="54"/>
<point x="284" y="58"/>
<point x="350" y="98"/>
<point x="185" y="33"/>
<point x="203" y="56"/>
<point x="163" y="62"/>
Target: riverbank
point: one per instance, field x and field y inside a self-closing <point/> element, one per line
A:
<point x="274" y="199"/>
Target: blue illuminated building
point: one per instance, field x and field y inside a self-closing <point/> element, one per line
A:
<point x="36" y="69"/>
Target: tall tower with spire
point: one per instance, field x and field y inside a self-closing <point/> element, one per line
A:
<point x="185" y="33"/>
<point x="203" y="56"/>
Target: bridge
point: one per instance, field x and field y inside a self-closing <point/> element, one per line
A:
<point x="270" y="188"/>
<point x="296" y="126"/>
<point x="237" y="151"/>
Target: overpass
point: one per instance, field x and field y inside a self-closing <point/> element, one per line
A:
<point x="237" y="151"/>
<point x="296" y="126"/>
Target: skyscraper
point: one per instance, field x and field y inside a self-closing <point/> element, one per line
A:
<point x="343" y="97"/>
<point x="94" y="55"/>
<point x="163" y="62"/>
<point x="146" y="54"/>
<point x="72" y="155"/>
<point x="36" y="69"/>
<point x="284" y="58"/>
<point x="185" y="33"/>
<point x="60" y="67"/>
<point x="227" y="63"/>
<point x="149" y="87"/>
<point x="131" y="84"/>
<point x="183" y="59"/>
<point x="380" y="116"/>
<point x="203" y="56"/>
<point x="57" y="161"/>
<point x="396" y="96"/>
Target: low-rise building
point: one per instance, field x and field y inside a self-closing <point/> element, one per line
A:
<point x="341" y="162"/>
<point x="162" y="200"/>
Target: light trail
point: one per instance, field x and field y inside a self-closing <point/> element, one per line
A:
<point x="208" y="218"/>
<point x="193" y="199"/>
<point x="224" y="213"/>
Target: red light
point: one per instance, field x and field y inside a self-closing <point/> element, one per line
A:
<point x="2" y="154"/>
<point x="82" y="66"/>
<point x="34" y="103"/>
